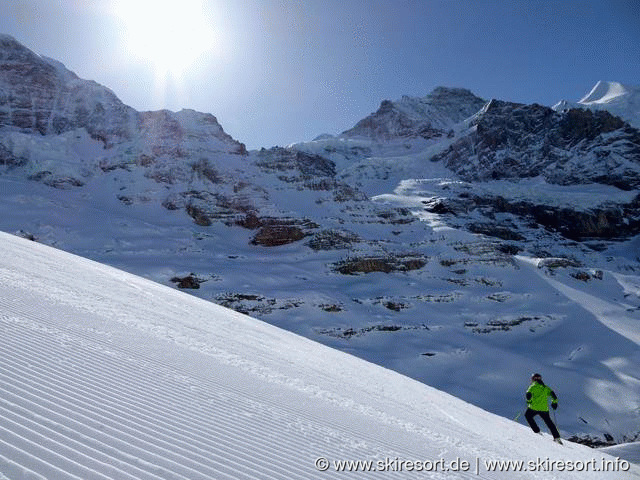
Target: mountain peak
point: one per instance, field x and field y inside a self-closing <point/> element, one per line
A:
<point x="44" y="97"/>
<point x="414" y="117"/>
<point x="617" y="98"/>
<point x="7" y="39"/>
<point x="442" y="91"/>
<point x="605" y="92"/>
<point x="13" y="51"/>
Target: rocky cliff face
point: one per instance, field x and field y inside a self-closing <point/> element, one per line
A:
<point x="513" y="142"/>
<point x="510" y="140"/>
<point x="38" y="95"/>
<point x="63" y="130"/>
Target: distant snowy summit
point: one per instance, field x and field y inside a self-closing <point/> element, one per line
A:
<point x="618" y="99"/>
<point x="606" y="93"/>
<point x="429" y="117"/>
<point x="433" y="116"/>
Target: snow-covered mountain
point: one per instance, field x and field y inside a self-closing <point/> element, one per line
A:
<point x="107" y="375"/>
<point x="620" y="100"/>
<point x="512" y="141"/>
<point x="39" y="95"/>
<point x="430" y="117"/>
<point x="61" y="129"/>
<point x="382" y="242"/>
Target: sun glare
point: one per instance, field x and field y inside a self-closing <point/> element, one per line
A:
<point x="170" y="34"/>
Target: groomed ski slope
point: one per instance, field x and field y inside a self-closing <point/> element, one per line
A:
<point x="108" y="375"/>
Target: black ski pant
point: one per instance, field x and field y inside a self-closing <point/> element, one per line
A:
<point x="547" y="419"/>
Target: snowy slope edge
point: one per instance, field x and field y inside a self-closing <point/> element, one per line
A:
<point x="112" y="376"/>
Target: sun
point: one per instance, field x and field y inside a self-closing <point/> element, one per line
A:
<point x="170" y="34"/>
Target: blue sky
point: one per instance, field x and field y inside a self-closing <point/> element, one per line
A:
<point x="285" y="71"/>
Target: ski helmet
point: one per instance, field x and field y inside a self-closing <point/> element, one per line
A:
<point x="536" y="377"/>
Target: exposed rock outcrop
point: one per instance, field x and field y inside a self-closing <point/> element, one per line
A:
<point x="510" y="140"/>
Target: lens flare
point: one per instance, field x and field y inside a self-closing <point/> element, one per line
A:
<point x="170" y="34"/>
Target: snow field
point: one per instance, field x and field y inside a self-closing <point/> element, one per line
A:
<point x="107" y="375"/>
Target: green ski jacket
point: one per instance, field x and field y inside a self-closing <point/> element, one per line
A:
<point x="538" y="395"/>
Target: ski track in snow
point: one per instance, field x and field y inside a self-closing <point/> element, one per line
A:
<point x="109" y="376"/>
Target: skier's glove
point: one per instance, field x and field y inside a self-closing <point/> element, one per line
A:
<point x="554" y="406"/>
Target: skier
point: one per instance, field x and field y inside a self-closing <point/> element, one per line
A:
<point x="538" y="404"/>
